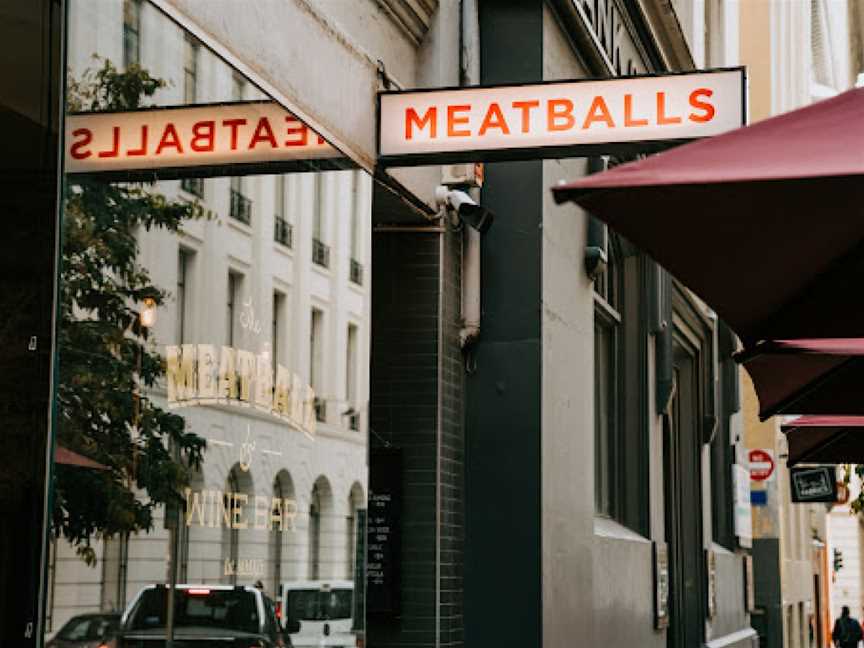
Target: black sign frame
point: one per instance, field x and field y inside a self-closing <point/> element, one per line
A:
<point x="516" y="154"/>
<point x="818" y="476"/>
<point x="384" y="533"/>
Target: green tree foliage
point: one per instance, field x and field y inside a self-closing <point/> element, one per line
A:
<point x="107" y="364"/>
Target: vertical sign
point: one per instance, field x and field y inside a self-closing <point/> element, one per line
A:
<point x="359" y="602"/>
<point x="383" y="527"/>
<point x="749" y="586"/>
<point x="711" y="574"/>
<point x="661" y="585"/>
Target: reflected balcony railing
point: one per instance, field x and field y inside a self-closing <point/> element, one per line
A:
<point x="241" y="207"/>
<point x="354" y="421"/>
<point x="283" y="232"/>
<point x="320" y="253"/>
<point x="194" y="186"/>
<point x="320" y="410"/>
<point x="355" y="273"/>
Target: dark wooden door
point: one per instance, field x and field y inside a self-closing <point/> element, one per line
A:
<point x="683" y="492"/>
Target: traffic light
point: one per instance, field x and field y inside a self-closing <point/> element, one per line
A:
<point x="838" y="560"/>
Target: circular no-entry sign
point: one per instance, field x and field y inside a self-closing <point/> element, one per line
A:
<point x="761" y="465"/>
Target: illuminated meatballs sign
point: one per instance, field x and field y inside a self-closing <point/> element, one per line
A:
<point x="557" y="119"/>
<point x="242" y="133"/>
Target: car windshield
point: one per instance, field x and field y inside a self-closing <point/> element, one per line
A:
<point x="234" y="610"/>
<point x="87" y="628"/>
<point x="318" y="605"/>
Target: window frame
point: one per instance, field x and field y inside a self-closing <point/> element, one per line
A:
<point x="621" y="307"/>
<point x="131" y="27"/>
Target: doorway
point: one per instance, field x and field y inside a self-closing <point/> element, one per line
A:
<point x="683" y="497"/>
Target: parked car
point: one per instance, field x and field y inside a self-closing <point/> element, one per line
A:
<point x="319" y="614"/>
<point x="209" y="615"/>
<point x="86" y="631"/>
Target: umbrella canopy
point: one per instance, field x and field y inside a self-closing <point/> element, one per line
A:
<point x="807" y="376"/>
<point x="65" y="456"/>
<point x="765" y="223"/>
<point x="825" y="439"/>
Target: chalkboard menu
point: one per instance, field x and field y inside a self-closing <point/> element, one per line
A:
<point x="814" y="484"/>
<point x="359" y="624"/>
<point x="383" y="532"/>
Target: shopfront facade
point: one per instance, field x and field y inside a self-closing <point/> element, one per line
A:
<point x="567" y="476"/>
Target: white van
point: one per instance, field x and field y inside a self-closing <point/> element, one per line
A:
<point x="319" y="613"/>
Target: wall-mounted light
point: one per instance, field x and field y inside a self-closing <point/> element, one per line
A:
<point x="147" y="314"/>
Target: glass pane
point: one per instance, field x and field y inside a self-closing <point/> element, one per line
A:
<point x="603" y="421"/>
<point x="211" y="407"/>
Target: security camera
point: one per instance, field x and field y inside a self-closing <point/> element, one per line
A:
<point x="467" y="211"/>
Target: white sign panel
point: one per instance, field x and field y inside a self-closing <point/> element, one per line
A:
<point x="214" y="135"/>
<point x="743" y="511"/>
<point x="425" y="126"/>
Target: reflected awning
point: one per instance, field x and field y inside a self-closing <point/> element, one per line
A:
<point x="765" y="223"/>
<point x="822" y="376"/>
<point x="67" y="457"/>
<point x="825" y="439"/>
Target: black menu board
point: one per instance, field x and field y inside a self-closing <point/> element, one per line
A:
<point x="817" y="484"/>
<point x="383" y="531"/>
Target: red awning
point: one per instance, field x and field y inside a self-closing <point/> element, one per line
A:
<point x="807" y="376"/>
<point x="765" y="223"/>
<point x="825" y="439"/>
<point x="67" y="457"/>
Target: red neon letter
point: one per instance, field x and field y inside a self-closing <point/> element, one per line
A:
<point x="263" y="133"/>
<point x="629" y="120"/>
<point x="202" y="136"/>
<point x="233" y="124"/>
<point x="702" y="105"/>
<point x="494" y="119"/>
<point x="430" y="119"/>
<point x="454" y="120"/>
<point x="525" y="107"/>
<point x="86" y="136"/>
<point x="662" y="119"/>
<point x="115" y="150"/>
<point x="143" y="149"/>
<point x="169" y="138"/>
<point x="296" y="128"/>
<point x="558" y="110"/>
<point x="598" y="112"/>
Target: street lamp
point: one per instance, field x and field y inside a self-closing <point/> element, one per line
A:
<point x="147" y="315"/>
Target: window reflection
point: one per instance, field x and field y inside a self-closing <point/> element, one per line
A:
<point x="234" y="416"/>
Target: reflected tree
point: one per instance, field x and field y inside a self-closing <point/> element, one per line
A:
<point x="107" y="363"/>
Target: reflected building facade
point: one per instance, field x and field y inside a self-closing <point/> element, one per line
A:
<point x="274" y="277"/>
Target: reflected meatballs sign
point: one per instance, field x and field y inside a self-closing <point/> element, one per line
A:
<point x="184" y="137"/>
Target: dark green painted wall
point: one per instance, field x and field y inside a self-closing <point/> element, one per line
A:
<point x="503" y="599"/>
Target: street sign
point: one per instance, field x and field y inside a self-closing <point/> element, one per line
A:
<point x="557" y="119"/>
<point x="761" y="464"/>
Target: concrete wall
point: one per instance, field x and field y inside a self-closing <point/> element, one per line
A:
<point x="569" y="544"/>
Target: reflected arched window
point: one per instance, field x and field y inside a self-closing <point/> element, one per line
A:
<point x="237" y="481"/>
<point x="282" y="521"/>
<point x="315" y="534"/>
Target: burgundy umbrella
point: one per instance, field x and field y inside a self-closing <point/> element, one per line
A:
<point x="63" y="455"/>
<point x="807" y="376"/>
<point x="825" y="439"/>
<point x="765" y="223"/>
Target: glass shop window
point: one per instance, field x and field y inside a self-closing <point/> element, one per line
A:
<point x="196" y="462"/>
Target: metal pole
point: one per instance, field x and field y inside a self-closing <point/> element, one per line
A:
<point x="173" y="539"/>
